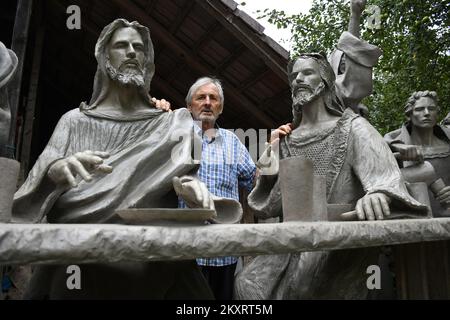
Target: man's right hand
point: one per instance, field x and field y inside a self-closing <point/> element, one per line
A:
<point x="84" y="163"/>
<point x="409" y="152"/>
<point x="162" y="104"/>
<point x="281" y="131"/>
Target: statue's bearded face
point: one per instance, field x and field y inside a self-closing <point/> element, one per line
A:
<point x="125" y="58"/>
<point x="307" y="84"/>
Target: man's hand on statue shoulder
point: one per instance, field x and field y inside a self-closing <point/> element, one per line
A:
<point x="193" y="192"/>
<point x="268" y="162"/>
<point x="281" y="131"/>
<point x="162" y="104"/>
<point x="409" y="152"/>
<point x="374" y="206"/>
<point x="65" y="171"/>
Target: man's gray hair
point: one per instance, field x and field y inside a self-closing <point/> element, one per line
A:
<point x="416" y="96"/>
<point x="200" y="83"/>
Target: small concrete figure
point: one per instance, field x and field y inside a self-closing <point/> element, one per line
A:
<point x="421" y="139"/>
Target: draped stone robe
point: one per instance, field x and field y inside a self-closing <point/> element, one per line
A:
<point x="141" y="148"/>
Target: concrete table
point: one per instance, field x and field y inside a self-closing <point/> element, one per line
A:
<point x="421" y="246"/>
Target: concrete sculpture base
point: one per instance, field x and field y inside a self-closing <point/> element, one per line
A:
<point x="64" y="243"/>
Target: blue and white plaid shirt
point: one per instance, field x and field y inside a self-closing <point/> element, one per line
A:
<point x="225" y="166"/>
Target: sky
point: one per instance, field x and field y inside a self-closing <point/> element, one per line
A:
<point x="281" y="36"/>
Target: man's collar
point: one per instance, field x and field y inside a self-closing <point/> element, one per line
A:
<point x="199" y="131"/>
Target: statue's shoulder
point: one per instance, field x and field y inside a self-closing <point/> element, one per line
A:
<point x="393" y="134"/>
<point x="71" y="115"/>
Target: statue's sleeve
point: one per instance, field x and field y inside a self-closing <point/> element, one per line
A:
<point x="375" y="165"/>
<point x="265" y="198"/>
<point x="38" y="193"/>
<point x="354" y="79"/>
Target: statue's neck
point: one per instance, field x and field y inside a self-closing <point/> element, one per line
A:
<point x="423" y="137"/>
<point x="125" y="98"/>
<point x="315" y="113"/>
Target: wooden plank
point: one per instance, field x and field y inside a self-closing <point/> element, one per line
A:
<point x="437" y="273"/>
<point x="181" y="16"/>
<point x="25" y="149"/>
<point x="19" y="46"/>
<point x="422" y="270"/>
<point x="228" y="60"/>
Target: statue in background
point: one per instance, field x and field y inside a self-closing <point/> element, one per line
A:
<point x="421" y="139"/>
<point x="358" y="168"/>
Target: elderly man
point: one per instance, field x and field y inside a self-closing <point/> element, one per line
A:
<point x="359" y="170"/>
<point x="115" y="153"/>
<point x="226" y="165"/>
<point x="421" y="138"/>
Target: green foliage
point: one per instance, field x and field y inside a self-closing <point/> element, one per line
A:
<point x="414" y="37"/>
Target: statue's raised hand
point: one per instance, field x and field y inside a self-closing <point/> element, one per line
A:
<point x="358" y="6"/>
<point x="83" y="163"/>
<point x="194" y="192"/>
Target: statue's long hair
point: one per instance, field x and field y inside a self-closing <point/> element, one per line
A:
<point x="332" y="103"/>
<point x="101" y="81"/>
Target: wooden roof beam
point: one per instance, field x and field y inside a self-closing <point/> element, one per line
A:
<point x="238" y="29"/>
<point x="175" y="98"/>
<point x="206" y="37"/>
<point x="181" y="16"/>
<point x="150" y="5"/>
<point x="228" y="60"/>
